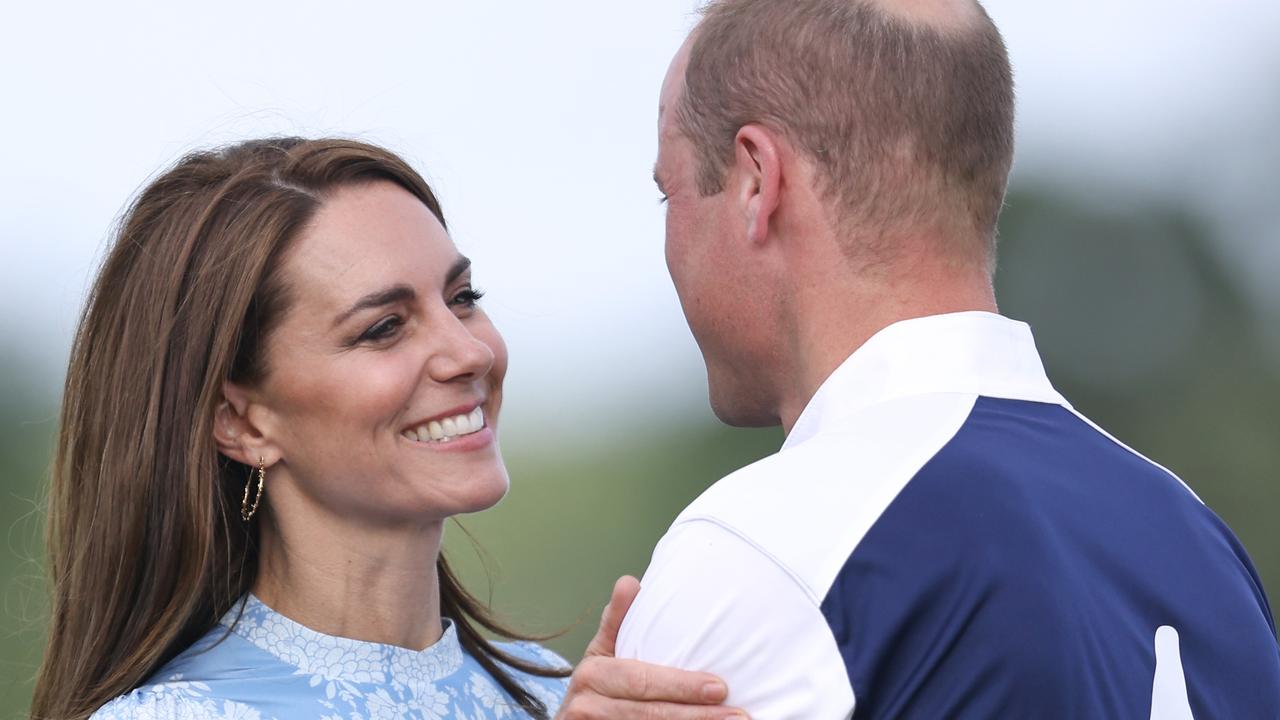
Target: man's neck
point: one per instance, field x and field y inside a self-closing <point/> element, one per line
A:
<point x="833" y="317"/>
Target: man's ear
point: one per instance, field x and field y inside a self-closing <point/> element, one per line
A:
<point x="234" y="430"/>
<point x="758" y="178"/>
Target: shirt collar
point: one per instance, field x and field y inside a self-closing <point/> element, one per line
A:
<point x="977" y="353"/>
<point x="334" y="658"/>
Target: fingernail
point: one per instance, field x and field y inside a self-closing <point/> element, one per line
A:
<point x="715" y="692"/>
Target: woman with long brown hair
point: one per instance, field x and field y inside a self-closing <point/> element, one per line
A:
<point x="280" y="388"/>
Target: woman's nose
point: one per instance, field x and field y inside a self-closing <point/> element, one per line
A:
<point x="457" y="354"/>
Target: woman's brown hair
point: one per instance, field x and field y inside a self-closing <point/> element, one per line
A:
<point x="146" y="546"/>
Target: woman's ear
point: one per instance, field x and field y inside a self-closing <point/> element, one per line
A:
<point x="234" y="430"/>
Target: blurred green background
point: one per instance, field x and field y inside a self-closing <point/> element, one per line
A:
<point x="1144" y="324"/>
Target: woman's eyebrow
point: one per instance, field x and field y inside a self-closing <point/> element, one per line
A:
<point x="400" y="292"/>
<point x="394" y="294"/>
<point x="461" y="265"/>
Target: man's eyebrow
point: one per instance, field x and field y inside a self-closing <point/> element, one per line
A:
<point x="656" y="180"/>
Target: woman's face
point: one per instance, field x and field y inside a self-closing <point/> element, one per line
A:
<point x="384" y="378"/>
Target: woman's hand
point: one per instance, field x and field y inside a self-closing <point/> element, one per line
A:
<point x="607" y="688"/>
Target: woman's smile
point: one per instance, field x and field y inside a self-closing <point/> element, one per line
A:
<point x="457" y="430"/>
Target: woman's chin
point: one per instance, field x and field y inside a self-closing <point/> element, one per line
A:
<point x="479" y="491"/>
<point x="488" y="494"/>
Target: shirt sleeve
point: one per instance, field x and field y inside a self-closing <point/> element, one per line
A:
<point x="713" y="601"/>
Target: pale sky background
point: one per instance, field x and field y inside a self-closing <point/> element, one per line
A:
<point x="535" y="122"/>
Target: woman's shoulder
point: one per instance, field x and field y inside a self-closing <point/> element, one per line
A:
<point x="483" y="690"/>
<point x="175" y="699"/>
<point x="194" y="685"/>
<point x="550" y="690"/>
<point x="532" y="652"/>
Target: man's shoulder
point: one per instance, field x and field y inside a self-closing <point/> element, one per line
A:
<point x="717" y="601"/>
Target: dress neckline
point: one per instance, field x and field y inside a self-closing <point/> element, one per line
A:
<point x="335" y="658"/>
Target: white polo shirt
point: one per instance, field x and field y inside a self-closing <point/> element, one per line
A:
<point x="942" y="535"/>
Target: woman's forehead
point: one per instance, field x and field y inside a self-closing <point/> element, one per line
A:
<point x="366" y="236"/>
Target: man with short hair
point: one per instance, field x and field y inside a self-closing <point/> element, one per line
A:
<point x="941" y="534"/>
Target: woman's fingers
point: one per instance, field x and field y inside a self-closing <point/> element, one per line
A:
<point x="606" y="639"/>
<point x="634" y="680"/>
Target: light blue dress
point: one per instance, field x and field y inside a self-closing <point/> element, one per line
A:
<point x="271" y="668"/>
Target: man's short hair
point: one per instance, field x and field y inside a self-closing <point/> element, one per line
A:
<point x="906" y="120"/>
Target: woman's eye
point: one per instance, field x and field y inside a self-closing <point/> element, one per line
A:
<point x="382" y="329"/>
<point x="662" y="200"/>
<point x="467" y="297"/>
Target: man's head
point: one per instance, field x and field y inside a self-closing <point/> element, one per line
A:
<point x="885" y="125"/>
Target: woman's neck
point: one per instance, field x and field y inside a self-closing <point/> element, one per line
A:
<point x="376" y="585"/>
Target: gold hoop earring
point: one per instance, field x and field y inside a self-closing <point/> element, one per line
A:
<point x="247" y="512"/>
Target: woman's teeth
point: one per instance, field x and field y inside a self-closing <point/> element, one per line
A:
<point x="448" y="428"/>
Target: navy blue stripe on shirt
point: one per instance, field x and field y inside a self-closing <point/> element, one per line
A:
<point x="1024" y="571"/>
